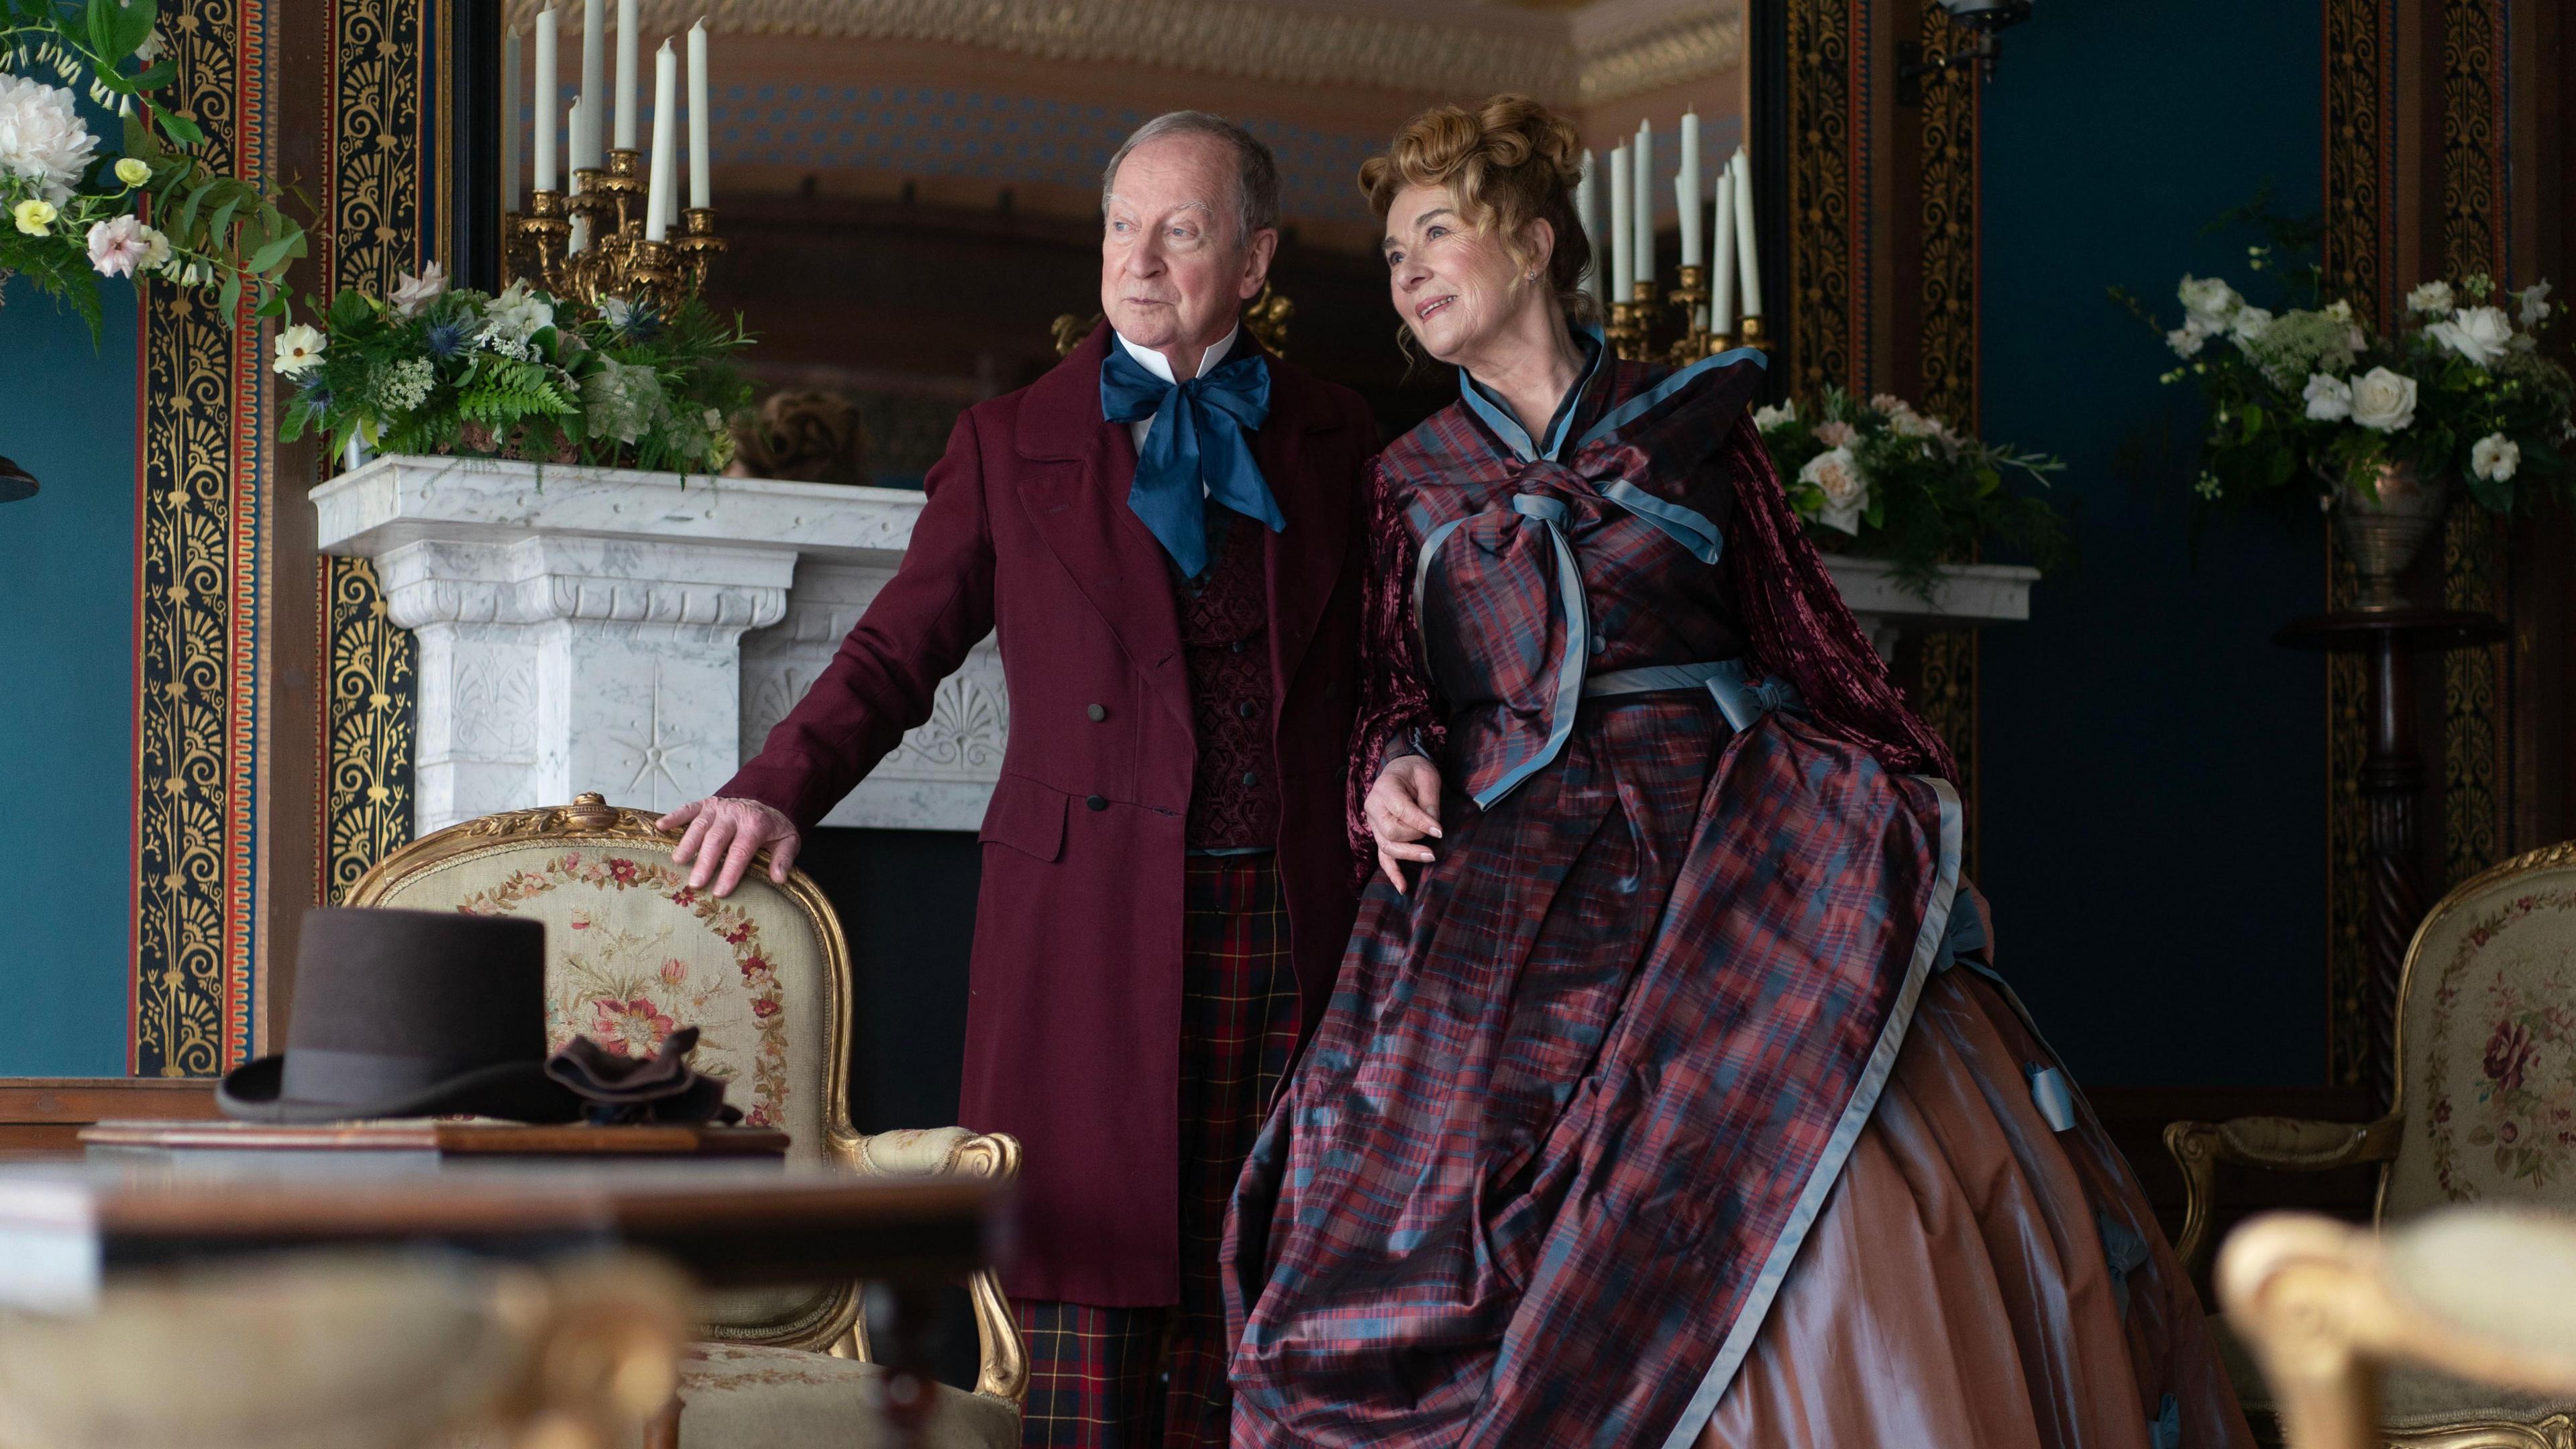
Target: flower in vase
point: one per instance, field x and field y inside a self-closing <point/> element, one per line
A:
<point x="411" y="293"/>
<point x="1836" y="435"/>
<point x="447" y="337"/>
<point x="1908" y="423"/>
<point x="2431" y="298"/>
<point x="2383" y="400"/>
<point x="118" y="245"/>
<point x="133" y="170"/>
<point x="1772" y="419"/>
<point x="2187" y="340"/>
<point x="1837" y="475"/>
<point x="2329" y="398"/>
<point x="405" y="385"/>
<point x="513" y="318"/>
<point x="2249" y="324"/>
<point x="2495" y="457"/>
<point x="34" y="216"/>
<point x="2535" y="304"/>
<point x="2209" y="300"/>
<point x="299" y="350"/>
<point x="2479" y="334"/>
<point x="42" y="140"/>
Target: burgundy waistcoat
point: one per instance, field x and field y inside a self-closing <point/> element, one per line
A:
<point x="1224" y="615"/>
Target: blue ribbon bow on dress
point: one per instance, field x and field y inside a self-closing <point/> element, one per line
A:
<point x="1196" y="450"/>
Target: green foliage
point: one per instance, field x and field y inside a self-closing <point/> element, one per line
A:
<point x="518" y="375"/>
<point x="217" y="234"/>
<point x="1880" y="480"/>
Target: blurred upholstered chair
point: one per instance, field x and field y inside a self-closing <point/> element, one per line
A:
<point x="2485" y="1112"/>
<point x="2476" y="1295"/>
<point x="633" y="953"/>
<point x="350" y="1351"/>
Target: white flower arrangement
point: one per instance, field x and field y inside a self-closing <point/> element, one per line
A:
<point x="2459" y="388"/>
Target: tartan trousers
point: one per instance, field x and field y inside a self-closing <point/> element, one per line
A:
<point x="1129" y="1378"/>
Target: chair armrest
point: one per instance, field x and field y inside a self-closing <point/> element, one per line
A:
<point x="952" y="1152"/>
<point x="2281" y="1144"/>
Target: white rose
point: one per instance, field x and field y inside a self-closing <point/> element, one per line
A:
<point x="2187" y="340"/>
<point x="2329" y="398"/>
<point x="1888" y="402"/>
<point x="2340" y="310"/>
<point x="1837" y="475"/>
<point x="2383" y="400"/>
<point x="1912" y="424"/>
<point x="2209" y="300"/>
<point x="1769" y="419"/>
<point x="299" y="350"/>
<point x="413" y="293"/>
<point x="2479" y="334"/>
<point x="2430" y="298"/>
<point x="2535" y="304"/>
<point x="2495" y="457"/>
<point x="2250" y="323"/>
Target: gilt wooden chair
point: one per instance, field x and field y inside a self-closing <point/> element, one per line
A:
<point x="2484" y="1112"/>
<point x="2481" y="1296"/>
<point x="632" y="953"/>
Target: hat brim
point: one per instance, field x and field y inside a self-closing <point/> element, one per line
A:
<point x="513" y="1091"/>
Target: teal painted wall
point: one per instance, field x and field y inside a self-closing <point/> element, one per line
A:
<point x="2154" y="775"/>
<point x="67" y="415"/>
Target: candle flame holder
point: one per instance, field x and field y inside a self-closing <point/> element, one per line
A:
<point x="614" y="260"/>
<point x="1753" y="336"/>
<point x="1697" y="340"/>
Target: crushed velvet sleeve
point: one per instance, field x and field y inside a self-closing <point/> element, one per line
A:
<point x="1396" y="712"/>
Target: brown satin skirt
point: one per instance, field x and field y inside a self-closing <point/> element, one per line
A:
<point x="1957" y="1293"/>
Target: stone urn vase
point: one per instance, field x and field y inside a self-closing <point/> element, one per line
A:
<point x="2381" y="523"/>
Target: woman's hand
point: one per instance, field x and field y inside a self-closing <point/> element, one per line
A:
<point x="1402" y="808"/>
<point x="724" y="834"/>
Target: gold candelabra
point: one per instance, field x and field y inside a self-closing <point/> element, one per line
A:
<point x="591" y="244"/>
<point x="1632" y="328"/>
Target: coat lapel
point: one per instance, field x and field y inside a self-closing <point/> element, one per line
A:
<point x="1306" y="560"/>
<point x="1078" y="504"/>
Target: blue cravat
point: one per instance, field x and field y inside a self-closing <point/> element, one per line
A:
<point x="1196" y="450"/>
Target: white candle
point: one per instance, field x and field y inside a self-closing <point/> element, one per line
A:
<point x="1748" y="263"/>
<point x="572" y="132"/>
<point x="626" y="28"/>
<point x="578" y="239"/>
<point x="510" y="120"/>
<point x="1721" y="261"/>
<point x="542" y="169"/>
<point x="701" y="174"/>
<point x="666" y="159"/>
<point x="1644" y="220"/>
<point x="1623" y="257"/>
<point x="1587" y="210"/>
<point x="1686" y="189"/>
<point x="594" y="82"/>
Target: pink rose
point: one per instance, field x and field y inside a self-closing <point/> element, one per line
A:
<point x="1835" y="435"/>
<point x="120" y="244"/>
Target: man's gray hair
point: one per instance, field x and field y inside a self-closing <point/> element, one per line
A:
<point x="1256" y="170"/>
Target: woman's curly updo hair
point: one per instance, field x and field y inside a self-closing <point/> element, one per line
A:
<point x="1508" y="161"/>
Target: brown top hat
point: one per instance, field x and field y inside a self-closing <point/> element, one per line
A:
<point x="409" y="1014"/>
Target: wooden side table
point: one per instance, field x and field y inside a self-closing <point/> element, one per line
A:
<point x="2392" y="785"/>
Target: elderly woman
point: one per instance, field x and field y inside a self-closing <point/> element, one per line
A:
<point x="1671" y="1098"/>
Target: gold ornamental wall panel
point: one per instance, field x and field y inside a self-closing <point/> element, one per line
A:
<point x="1947" y="683"/>
<point x="387" y="180"/>
<point x="200" y="605"/>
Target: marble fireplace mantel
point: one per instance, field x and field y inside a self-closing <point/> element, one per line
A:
<point x="639" y="633"/>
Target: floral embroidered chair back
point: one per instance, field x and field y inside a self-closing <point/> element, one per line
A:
<point x="2486" y="1043"/>
<point x="632" y="954"/>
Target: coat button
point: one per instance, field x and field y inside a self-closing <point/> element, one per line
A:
<point x="1235" y="648"/>
<point x="1251" y="778"/>
<point x="1245" y="710"/>
<point x="1097" y="713"/>
<point x="1097" y="802"/>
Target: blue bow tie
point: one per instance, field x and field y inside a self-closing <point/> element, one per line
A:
<point x="1196" y="450"/>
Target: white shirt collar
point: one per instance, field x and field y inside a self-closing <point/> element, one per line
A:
<point x="1155" y="363"/>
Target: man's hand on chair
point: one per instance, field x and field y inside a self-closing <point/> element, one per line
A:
<point x="724" y="834"/>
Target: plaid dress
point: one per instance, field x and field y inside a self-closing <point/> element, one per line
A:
<point x="1581" y="1092"/>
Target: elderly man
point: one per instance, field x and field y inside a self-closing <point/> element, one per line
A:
<point x="1166" y="531"/>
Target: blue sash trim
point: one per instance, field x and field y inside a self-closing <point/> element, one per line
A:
<point x="1686" y="526"/>
<point x="1636" y="407"/>
<point x="1838" y="1147"/>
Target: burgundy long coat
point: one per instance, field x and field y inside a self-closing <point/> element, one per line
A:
<point x="1073" y="1029"/>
